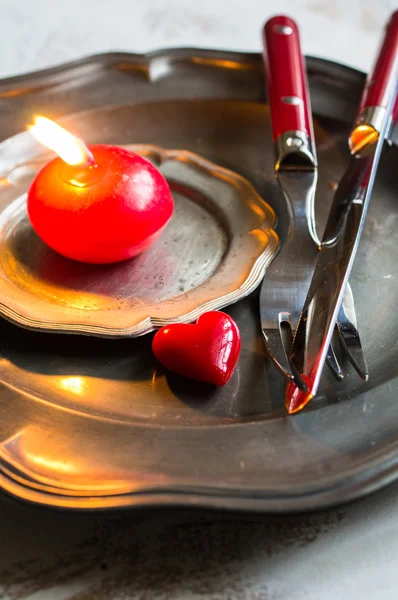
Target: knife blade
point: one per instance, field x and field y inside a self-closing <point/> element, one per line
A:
<point x="345" y="222"/>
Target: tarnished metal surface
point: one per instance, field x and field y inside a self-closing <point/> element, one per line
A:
<point x="89" y="423"/>
<point x="213" y="252"/>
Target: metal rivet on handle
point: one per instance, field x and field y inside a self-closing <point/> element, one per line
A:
<point x="294" y="142"/>
<point x="285" y="29"/>
<point x="295" y="100"/>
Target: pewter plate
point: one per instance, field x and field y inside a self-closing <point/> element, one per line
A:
<point x="213" y="252"/>
<point x="89" y="422"/>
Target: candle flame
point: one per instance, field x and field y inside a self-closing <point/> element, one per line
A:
<point x="72" y="150"/>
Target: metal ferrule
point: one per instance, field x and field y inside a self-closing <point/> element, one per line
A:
<point x="373" y="116"/>
<point x="294" y="151"/>
<point x="367" y="129"/>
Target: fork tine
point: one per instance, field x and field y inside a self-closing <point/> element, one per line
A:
<point x="351" y="343"/>
<point x="278" y="342"/>
<point x="334" y="364"/>
<point x="349" y="335"/>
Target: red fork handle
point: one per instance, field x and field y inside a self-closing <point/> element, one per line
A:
<point x="287" y="87"/>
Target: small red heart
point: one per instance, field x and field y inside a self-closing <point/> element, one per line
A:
<point x="207" y="351"/>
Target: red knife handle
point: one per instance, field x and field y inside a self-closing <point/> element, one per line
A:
<point x="380" y="86"/>
<point x="395" y="112"/>
<point x="287" y="86"/>
<point x="383" y="75"/>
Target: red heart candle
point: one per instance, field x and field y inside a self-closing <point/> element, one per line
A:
<point x="207" y="351"/>
<point x="106" y="205"/>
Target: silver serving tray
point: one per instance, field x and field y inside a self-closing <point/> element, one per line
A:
<point x="93" y="423"/>
<point x="213" y="252"/>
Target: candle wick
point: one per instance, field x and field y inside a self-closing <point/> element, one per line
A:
<point x="89" y="160"/>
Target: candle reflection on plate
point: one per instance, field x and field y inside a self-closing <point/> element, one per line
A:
<point x="73" y="384"/>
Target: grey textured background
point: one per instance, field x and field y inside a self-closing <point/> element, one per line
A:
<point x="348" y="553"/>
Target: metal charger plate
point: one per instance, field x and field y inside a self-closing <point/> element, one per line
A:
<point x="213" y="252"/>
<point x="96" y="423"/>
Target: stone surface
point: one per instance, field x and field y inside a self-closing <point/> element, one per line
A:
<point x="347" y="553"/>
<point x="38" y="34"/>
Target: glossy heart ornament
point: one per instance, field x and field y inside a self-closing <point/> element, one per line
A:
<point x="206" y="351"/>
